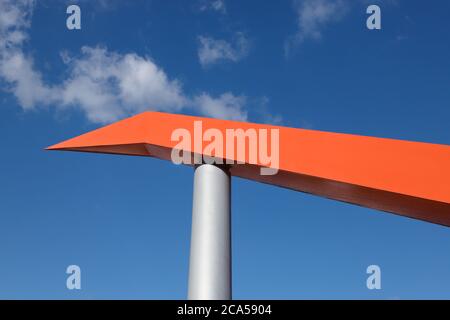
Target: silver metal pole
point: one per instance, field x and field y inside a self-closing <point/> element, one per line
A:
<point x="210" y="257"/>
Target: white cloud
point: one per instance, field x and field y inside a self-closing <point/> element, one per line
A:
<point x="115" y="85"/>
<point x="26" y="84"/>
<point x="312" y="17"/>
<point x="212" y="50"/>
<point x="14" y="17"/>
<point x="226" y="106"/>
<point x="214" y="5"/>
<point x="16" y="68"/>
<point x="105" y="85"/>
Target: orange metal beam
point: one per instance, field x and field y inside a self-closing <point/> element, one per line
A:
<point x="402" y="177"/>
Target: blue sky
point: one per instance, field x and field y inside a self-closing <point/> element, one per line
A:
<point x="126" y="220"/>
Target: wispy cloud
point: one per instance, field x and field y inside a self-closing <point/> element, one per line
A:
<point x="226" y="106"/>
<point x="264" y="114"/>
<point x="105" y="85"/>
<point x="213" y="5"/>
<point x="212" y="50"/>
<point x="312" y="17"/>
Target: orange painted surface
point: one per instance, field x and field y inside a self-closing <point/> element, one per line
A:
<point x="402" y="177"/>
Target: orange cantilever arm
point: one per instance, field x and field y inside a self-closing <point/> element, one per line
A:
<point x="402" y="177"/>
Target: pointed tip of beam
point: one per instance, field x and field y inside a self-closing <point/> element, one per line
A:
<point x="62" y="146"/>
<point x="120" y="133"/>
<point x="53" y="147"/>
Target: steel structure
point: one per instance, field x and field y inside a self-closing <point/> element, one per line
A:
<point x="401" y="177"/>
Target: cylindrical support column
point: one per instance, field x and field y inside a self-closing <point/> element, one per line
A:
<point x="210" y="257"/>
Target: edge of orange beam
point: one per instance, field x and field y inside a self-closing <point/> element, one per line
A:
<point x="402" y="177"/>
